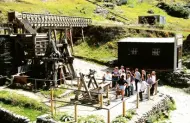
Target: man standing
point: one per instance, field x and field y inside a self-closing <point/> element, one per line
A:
<point x="137" y="78"/>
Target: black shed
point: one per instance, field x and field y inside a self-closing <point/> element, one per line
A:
<point x="151" y="53"/>
<point x="152" y="19"/>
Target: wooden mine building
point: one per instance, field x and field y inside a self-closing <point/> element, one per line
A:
<point x="151" y="53"/>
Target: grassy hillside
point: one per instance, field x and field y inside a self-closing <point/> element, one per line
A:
<point x="108" y="50"/>
<point x="62" y="7"/>
<point x="86" y="9"/>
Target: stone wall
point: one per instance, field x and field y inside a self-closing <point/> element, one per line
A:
<point x="10" y="117"/>
<point x="45" y="119"/>
<point x="160" y="106"/>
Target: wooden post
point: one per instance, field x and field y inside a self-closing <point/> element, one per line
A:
<point x="137" y="99"/>
<point x="148" y="92"/>
<point x="124" y="108"/>
<point x="35" y="86"/>
<point x="101" y="100"/>
<point x="60" y="76"/>
<point x="76" y="115"/>
<point x="108" y="116"/>
<point x="54" y="106"/>
<point x="82" y="34"/>
<point x="78" y="81"/>
<point x="71" y="39"/>
<point x="54" y="35"/>
<point x="51" y="101"/>
<point x="107" y="93"/>
<point x="55" y="73"/>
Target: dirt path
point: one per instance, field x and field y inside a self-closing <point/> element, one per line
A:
<point x="84" y="66"/>
<point x="182" y="114"/>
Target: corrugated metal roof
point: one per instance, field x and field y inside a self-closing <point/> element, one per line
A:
<point x="148" y="40"/>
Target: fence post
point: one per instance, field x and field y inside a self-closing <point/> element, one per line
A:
<point x="137" y="99"/>
<point x="35" y="86"/>
<point x="148" y="92"/>
<point x="54" y="106"/>
<point x="76" y="113"/>
<point x="107" y="93"/>
<point x="78" y="81"/>
<point x="51" y="101"/>
<point x="108" y="115"/>
<point x="101" y="100"/>
<point x="124" y="108"/>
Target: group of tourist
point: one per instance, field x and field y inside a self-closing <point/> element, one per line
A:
<point x="126" y="81"/>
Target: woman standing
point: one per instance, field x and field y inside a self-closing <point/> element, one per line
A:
<point x="153" y="77"/>
<point x="115" y="76"/>
<point x="143" y="74"/>
<point x="128" y="87"/>
<point x="121" y="87"/>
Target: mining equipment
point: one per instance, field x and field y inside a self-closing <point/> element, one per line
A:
<point x="35" y="47"/>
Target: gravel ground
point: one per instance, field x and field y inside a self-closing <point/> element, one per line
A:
<point x="84" y="66"/>
<point x="182" y="113"/>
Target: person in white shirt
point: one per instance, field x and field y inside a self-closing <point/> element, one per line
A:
<point x="123" y="74"/>
<point x="128" y="87"/>
<point x="107" y="76"/>
<point x="115" y="76"/>
<point x="153" y="77"/>
<point x="142" y="85"/>
<point x="137" y="78"/>
<point x="121" y="70"/>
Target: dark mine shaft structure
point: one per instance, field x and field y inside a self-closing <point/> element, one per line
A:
<point x="37" y="46"/>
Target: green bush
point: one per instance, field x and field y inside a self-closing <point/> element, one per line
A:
<point x="128" y="116"/>
<point x="21" y="100"/>
<point x="171" y="105"/>
<point x="175" y="10"/>
<point x="56" y="92"/>
<point x="131" y="111"/>
<point x="120" y="119"/>
<point x="91" y="119"/>
<point x="152" y="119"/>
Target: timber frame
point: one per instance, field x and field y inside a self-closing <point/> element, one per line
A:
<point x="41" y="44"/>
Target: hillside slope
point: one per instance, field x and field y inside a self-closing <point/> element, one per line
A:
<point x="61" y="7"/>
<point x="83" y="8"/>
<point x="103" y="49"/>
